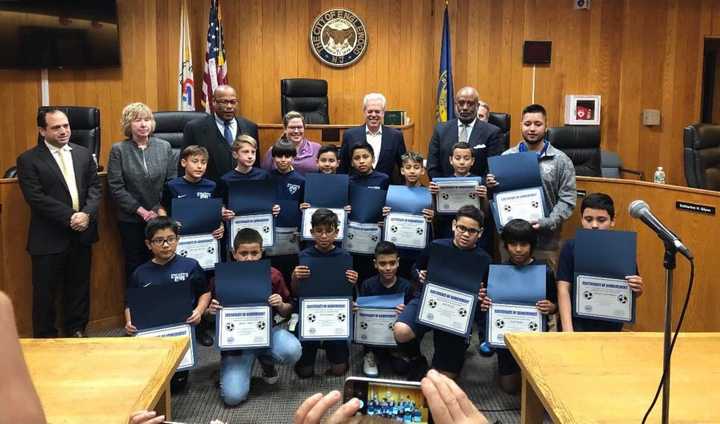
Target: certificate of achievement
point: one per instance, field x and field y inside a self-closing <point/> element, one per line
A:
<point x="287" y="242"/>
<point x="244" y="327"/>
<point x="512" y="318"/>
<point x="262" y="223"/>
<point x="325" y="318"/>
<point x="306" y="225"/>
<point x="524" y="204"/>
<point x="603" y="298"/>
<point x="188" y="361"/>
<point x="361" y="238"/>
<point x="374" y="326"/>
<point x="201" y="247"/>
<point x="453" y="195"/>
<point x="447" y="309"/>
<point x="406" y="230"/>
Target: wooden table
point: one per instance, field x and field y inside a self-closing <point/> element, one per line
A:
<point x="102" y="380"/>
<point x="612" y="377"/>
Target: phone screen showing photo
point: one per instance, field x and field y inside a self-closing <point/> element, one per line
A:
<point x="398" y="403"/>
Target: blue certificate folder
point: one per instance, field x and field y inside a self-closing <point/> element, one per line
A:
<point x="326" y="190"/>
<point x="521" y="285"/>
<point x="367" y="204"/>
<point x="606" y="253"/>
<point x="160" y="306"/>
<point x="455" y="268"/>
<point x="385" y="301"/>
<point x="243" y="283"/>
<point x="327" y="277"/>
<point x="611" y="254"/>
<point x="251" y="197"/>
<point x="197" y="216"/>
<point x="408" y="199"/>
<point x="289" y="214"/>
<point x="515" y="171"/>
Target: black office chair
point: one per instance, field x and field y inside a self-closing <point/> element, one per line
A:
<point x="701" y="153"/>
<point x="169" y="126"/>
<point x="582" y="144"/>
<point x="502" y="121"/>
<point x="612" y="166"/>
<point x="307" y="96"/>
<point x="84" y="127"/>
<point x="10" y="172"/>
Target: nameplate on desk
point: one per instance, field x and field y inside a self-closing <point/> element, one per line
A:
<point x="695" y="207"/>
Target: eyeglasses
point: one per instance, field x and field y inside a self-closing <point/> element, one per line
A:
<point x="226" y="102"/>
<point x="160" y="241"/>
<point x="464" y="229"/>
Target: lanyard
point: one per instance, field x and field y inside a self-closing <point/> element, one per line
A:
<point x="523" y="148"/>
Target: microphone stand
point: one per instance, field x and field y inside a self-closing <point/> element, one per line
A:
<point x="669" y="263"/>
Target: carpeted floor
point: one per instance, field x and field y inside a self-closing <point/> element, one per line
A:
<point x="200" y="402"/>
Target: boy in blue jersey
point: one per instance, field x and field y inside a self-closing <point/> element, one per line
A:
<point x="236" y="366"/>
<point x="412" y="170"/>
<point x="519" y="239"/>
<point x="324" y="228"/>
<point x="462" y="160"/>
<point x="194" y="161"/>
<point x="289" y="187"/>
<point x="363" y="173"/>
<point x="449" y="348"/>
<point x="387" y="281"/>
<point x="166" y="268"/>
<point x="598" y="213"/>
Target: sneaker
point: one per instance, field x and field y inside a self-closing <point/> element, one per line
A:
<point x="485" y="349"/>
<point x="370" y="368"/>
<point x="270" y="374"/>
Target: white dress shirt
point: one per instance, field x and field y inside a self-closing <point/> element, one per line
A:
<point x="375" y="140"/>
<point x="470" y="127"/>
<point x="221" y="126"/>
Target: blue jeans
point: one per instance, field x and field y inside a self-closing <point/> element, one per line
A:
<point x="236" y="370"/>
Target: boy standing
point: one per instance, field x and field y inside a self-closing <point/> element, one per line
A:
<point x="449" y="348"/>
<point x="166" y="268"/>
<point x="598" y="213"/>
<point x="236" y="366"/>
<point x="362" y="156"/>
<point x="324" y="228"/>
<point x="519" y="239"/>
<point x="327" y="160"/>
<point x="386" y="262"/>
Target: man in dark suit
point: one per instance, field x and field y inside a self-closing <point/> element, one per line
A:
<point x="217" y="132"/>
<point x="484" y="138"/>
<point x="388" y="143"/>
<point x="60" y="184"/>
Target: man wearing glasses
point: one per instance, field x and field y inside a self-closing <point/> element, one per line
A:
<point x="217" y="132"/>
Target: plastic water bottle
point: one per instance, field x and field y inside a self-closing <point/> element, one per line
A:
<point x="659" y="177"/>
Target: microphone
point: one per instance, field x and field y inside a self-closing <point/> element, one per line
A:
<point x="640" y="210"/>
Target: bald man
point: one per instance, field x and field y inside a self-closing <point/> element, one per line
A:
<point x="484" y="138"/>
<point x="217" y="132"/>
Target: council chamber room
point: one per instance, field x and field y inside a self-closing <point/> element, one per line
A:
<point x="246" y="211"/>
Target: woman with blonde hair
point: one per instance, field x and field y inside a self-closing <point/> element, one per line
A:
<point x="138" y="169"/>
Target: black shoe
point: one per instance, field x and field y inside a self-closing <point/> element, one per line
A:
<point x="204" y="338"/>
<point x="179" y="381"/>
<point x="417" y="368"/>
<point x="78" y="334"/>
<point x="305" y="371"/>
<point x="270" y="374"/>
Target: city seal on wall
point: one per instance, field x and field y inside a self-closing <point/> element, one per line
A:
<point x="338" y="37"/>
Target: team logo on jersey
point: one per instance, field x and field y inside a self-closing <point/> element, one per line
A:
<point x="338" y="37"/>
<point x="203" y="195"/>
<point x="293" y="188"/>
<point x="180" y="276"/>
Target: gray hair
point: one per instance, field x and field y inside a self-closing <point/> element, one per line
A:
<point x="374" y="96"/>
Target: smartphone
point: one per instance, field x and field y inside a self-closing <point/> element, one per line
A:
<point x="398" y="400"/>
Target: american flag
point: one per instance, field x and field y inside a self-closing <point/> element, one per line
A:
<point x="215" y="66"/>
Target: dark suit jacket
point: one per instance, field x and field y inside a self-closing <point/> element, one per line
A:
<point x="392" y="147"/>
<point x="445" y="135"/>
<point x="204" y="132"/>
<point x="47" y="194"/>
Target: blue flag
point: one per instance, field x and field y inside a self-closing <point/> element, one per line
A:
<point x="445" y="108"/>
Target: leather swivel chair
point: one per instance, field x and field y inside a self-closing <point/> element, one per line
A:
<point x="582" y="144"/>
<point x="306" y="96"/>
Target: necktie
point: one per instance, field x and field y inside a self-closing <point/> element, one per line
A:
<point x="227" y="133"/>
<point x="463" y="133"/>
<point x="70" y="181"/>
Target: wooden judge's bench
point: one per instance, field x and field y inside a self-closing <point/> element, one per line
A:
<point x="699" y="230"/>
